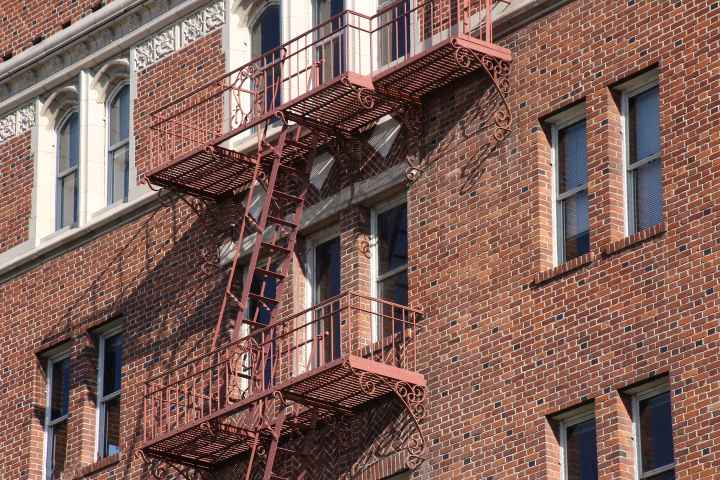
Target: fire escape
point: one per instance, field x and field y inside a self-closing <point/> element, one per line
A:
<point x="269" y="379"/>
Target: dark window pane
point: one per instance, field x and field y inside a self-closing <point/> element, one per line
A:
<point x="60" y="395"/>
<point x="648" y="195"/>
<point x="392" y="239"/>
<point x="120" y="116"/>
<point x="572" y="157"/>
<point x="393" y="289"/>
<point x="68" y="198"/>
<point x="111" y="423"/>
<point x="120" y="171"/>
<point x="327" y="270"/>
<point x="261" y="286"/>
<point x="581" y="451"/>
<point x="576" y="225"/>
<point x="113" y="364"/>
<point x="644" y="125"/>
<point x="68" y="143"/>
<point x="668" y="475"/>
<point x="656" y="432"/>
<point x="327" y="285"/>
<point x="58" y="449"/>
<point x="270" y="29"/>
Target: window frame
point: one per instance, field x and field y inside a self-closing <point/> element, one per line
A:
<point x="61" y="175"/>
<point x="375" y="276"/>
<point x="102" y="399"/>
<point x="55" y="356"/>
<point x="314" y="241"/>
<point x="111" y="149"/>
<point x="628" y="168"/>
<point x="638" y="394"/>
<point x="557" y="123"/>
<point x="569" y="419"/>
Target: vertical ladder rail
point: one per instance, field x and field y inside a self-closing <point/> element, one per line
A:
<point x="238" y="246"/>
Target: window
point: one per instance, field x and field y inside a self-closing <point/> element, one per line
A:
<point x="119" y="145"/>
<point x="266" y="35"/>
<point x="56" y="415"/>
<point x="393" y="31"/>
<point x="652" y="422"/>
<point x="68" y="157"/>
<point x="330" y="51"/>
<point x="641" y="114"/>
<point x="325" y="278"/>
<point x="110" y="345"/>
<point x="572" y="230"/>
<point x="390" y="282"/>
<point x="578" y="446"/>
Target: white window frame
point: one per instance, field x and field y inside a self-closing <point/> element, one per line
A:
<point x="59" y="176"/>
<point x="566" y="420"/>
<point x="640" y="393"/>
<point x="630" y="90"/>
<point x="375" y="277"/>
<point x="102" y="399"/>
<point x="559" y="122"/>
<point x="111" y="149"/>
<point x="50" y="359"/>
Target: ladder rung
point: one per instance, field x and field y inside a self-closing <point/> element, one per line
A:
<point x="264" y="300"/>
<point x="291" y="169"/>
<point x="269" y="273"/>
<point x="281" y="221"/>
<point x="272" y="246"/>
<point x="254" y="324"/>
<point x="287" y="196"/>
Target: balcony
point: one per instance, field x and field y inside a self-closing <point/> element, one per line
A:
<point x="283" y="379"/>
<point x="335" y="80"/>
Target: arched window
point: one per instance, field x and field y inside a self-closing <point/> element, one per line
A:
<point x="266" y="35"/>
<point x="68" y="157"/>
<point x="118" y="145"/>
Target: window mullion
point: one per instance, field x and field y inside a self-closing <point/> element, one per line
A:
<point x="644" y="161"/>
<point x="572" y="192"/>
<point x="391" y="273"/>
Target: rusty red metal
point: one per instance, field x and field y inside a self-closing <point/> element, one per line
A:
<point x="240" y="387"/>
<point x="318" y="90"/>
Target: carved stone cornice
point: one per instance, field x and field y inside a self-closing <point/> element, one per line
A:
<point x="129" y="28"/>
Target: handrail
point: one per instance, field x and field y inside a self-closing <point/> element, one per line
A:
<point x="267" y="358"/>
<point x="282" y="321"/>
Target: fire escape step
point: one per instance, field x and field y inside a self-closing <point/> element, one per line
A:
<point x="287" y="196"/>
<point x="270" y="273"/>
<point x="281" y="221"/>
<point x="264" y="300"/>
<point x="277" y="248"/>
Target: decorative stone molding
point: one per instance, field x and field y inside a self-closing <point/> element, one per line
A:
<point x="17" y="122"/>
<point x="186" y="31"/>
<point x="60" y="62"/>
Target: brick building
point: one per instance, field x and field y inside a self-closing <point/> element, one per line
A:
<point x="410" y="239"/>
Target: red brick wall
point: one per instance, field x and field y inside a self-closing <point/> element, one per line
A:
<point x="16" y="183"/>
<point x="29" y="20"/>
<point x="499" y="351"/>
<point x="502" y="353"/>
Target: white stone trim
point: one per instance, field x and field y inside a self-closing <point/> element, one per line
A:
<point x="188" y="30"/>
<point x="17" y="122"/>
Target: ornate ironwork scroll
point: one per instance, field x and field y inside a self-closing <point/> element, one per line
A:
<point x="161" y="470"/>
<point x="414" y="399"/>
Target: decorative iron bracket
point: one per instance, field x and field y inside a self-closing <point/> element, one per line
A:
<point x="414" y="400"/>
<point x="160" y="470"/>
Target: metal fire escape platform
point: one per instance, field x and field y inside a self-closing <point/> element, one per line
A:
<point x="219" y="406"/>
<point x="335" y="97"/>
<point x="260" y="394"/>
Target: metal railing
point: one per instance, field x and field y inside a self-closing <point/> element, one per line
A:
<point x="347" y="42"/>
<point x="255" y="365"/>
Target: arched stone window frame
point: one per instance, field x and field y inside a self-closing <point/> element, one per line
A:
<point x="113" y="148"/>
<point x="53" y="112"/>
<point x="105" y="84"/>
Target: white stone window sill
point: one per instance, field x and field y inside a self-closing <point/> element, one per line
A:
<point x="67" y="235"/>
